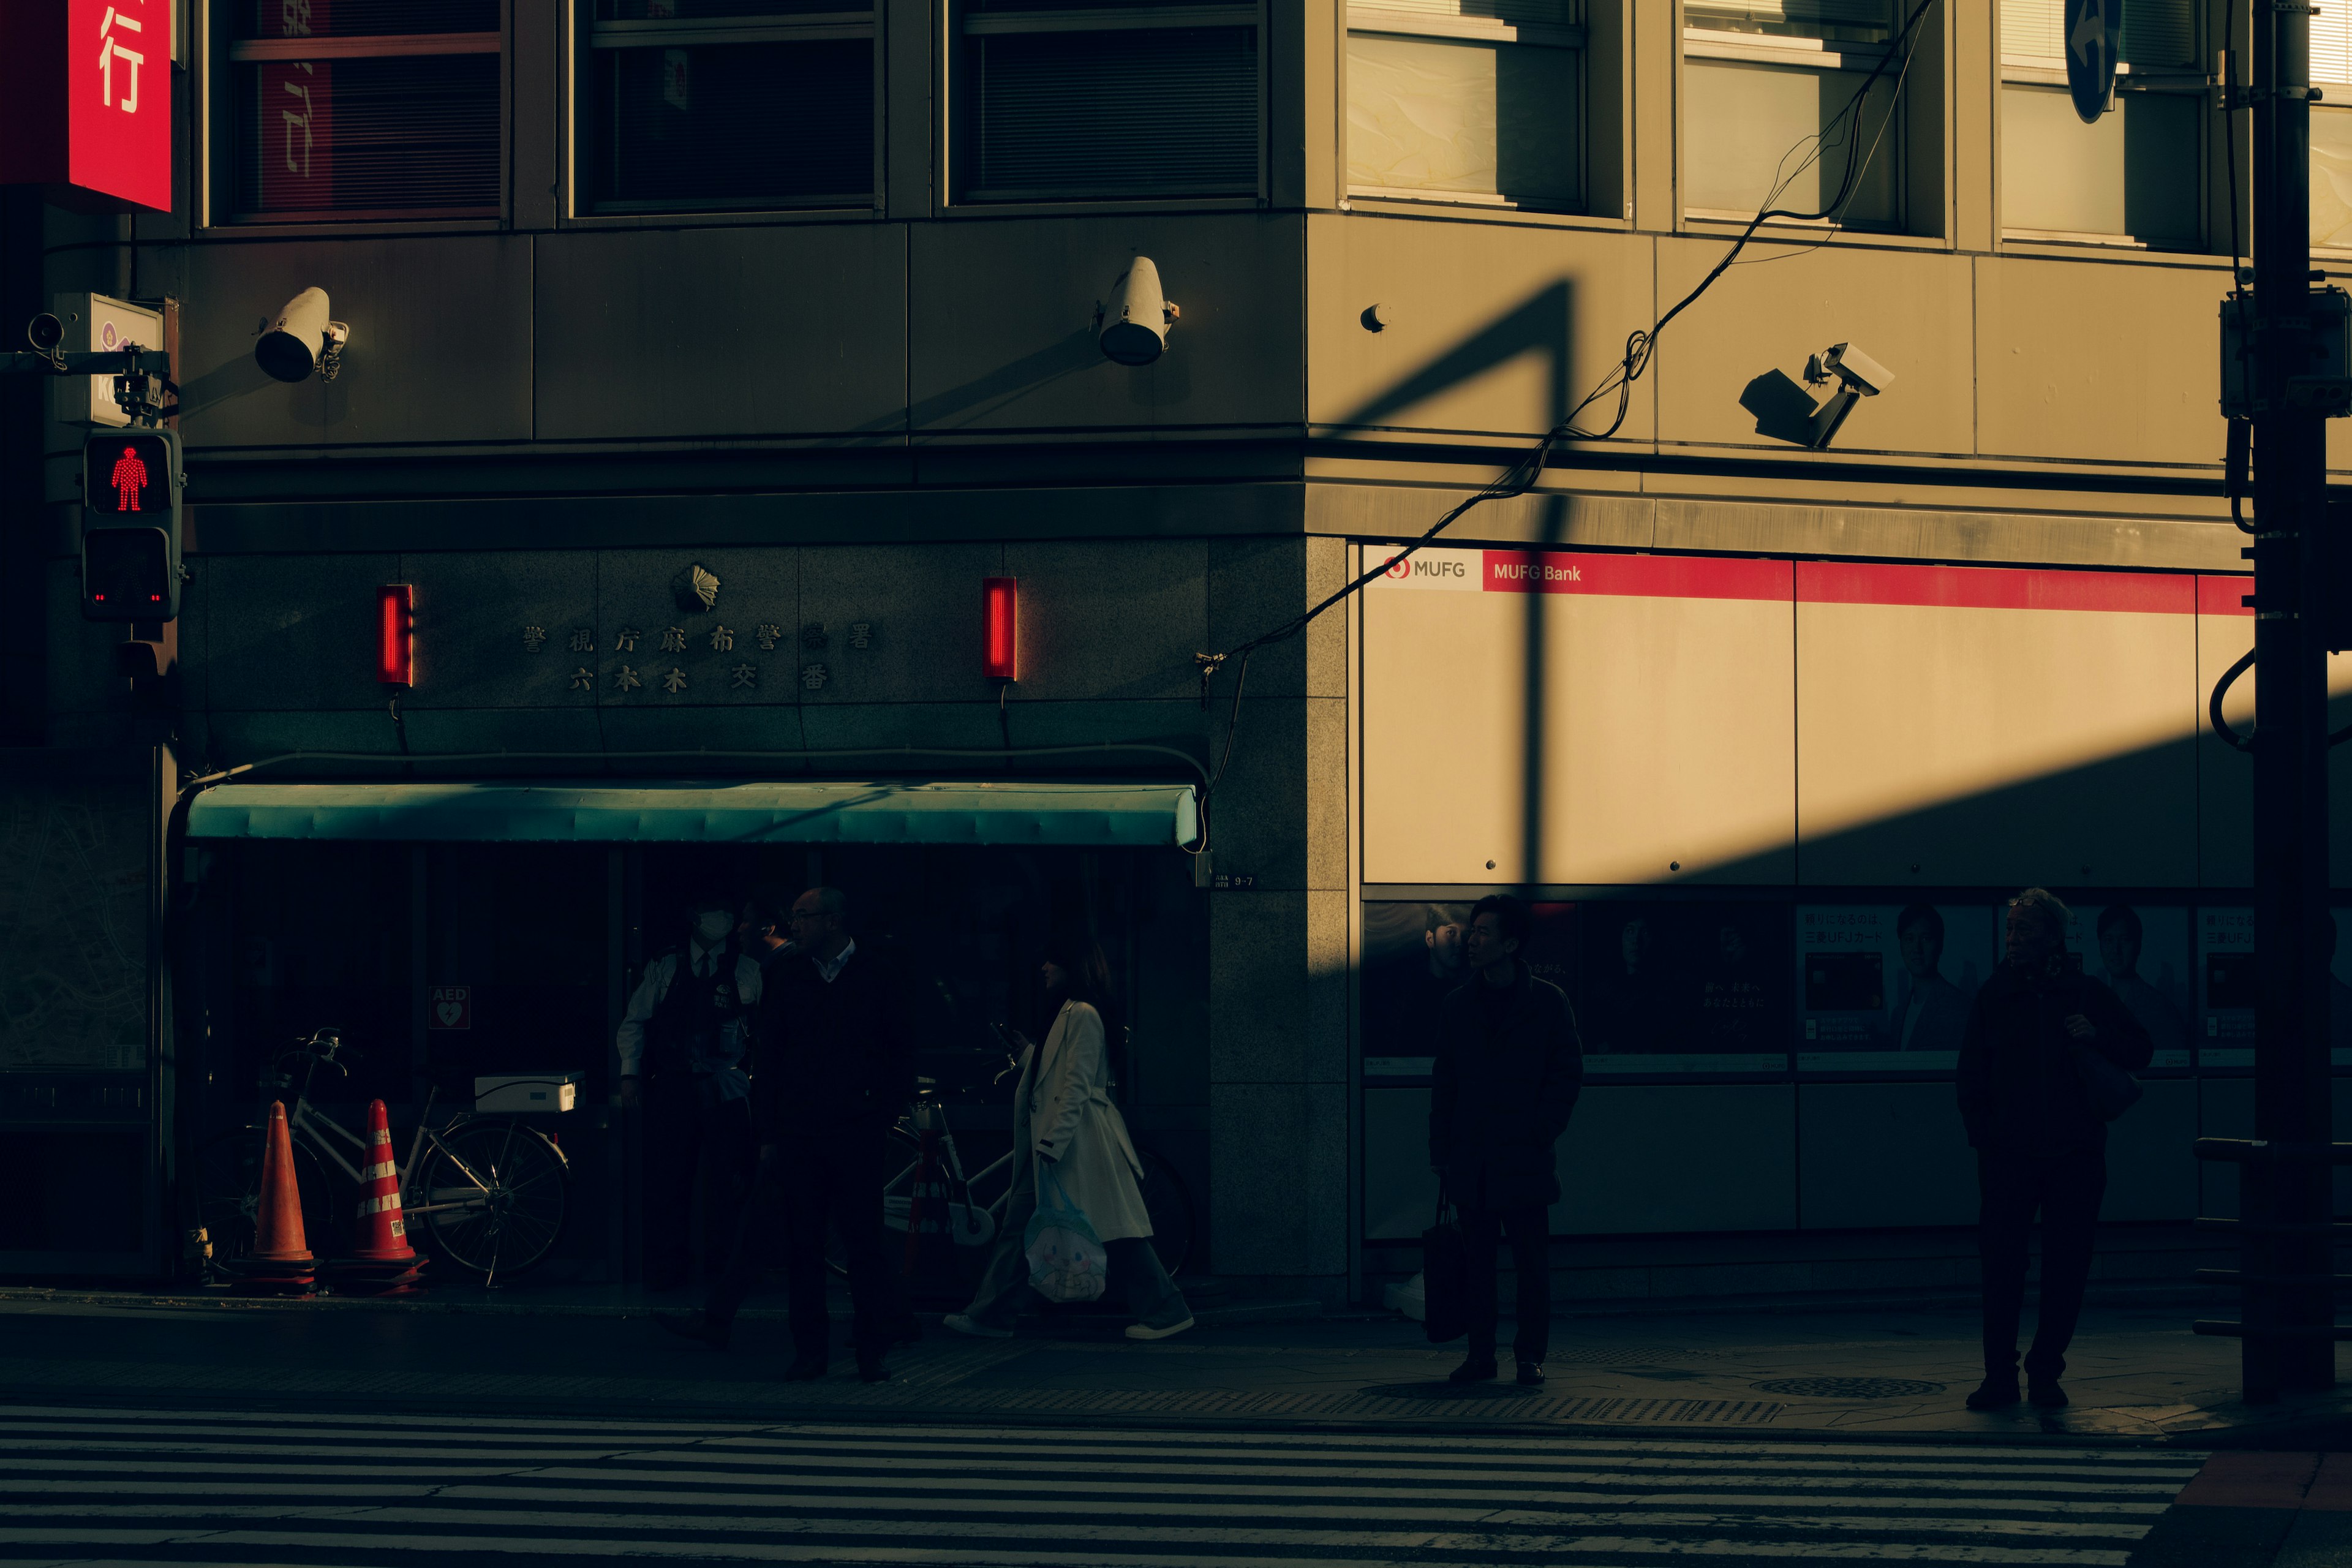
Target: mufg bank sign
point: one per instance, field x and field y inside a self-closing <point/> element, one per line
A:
<point x="85" y="99"/>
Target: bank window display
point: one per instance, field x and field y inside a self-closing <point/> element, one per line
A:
<point x="1466" y="100"/>
<point x="2136" y="177"/>
<point x="362" y="108"/>
<point x="2230" y="986"/>
<point x="1884" y="989"/>
<point x="1061" y="101"/>
<point x="709" y="104"/>
<point x="1761" y="79"/>
<point x="2141" y="952"/>
<point x="1660" y="989"/>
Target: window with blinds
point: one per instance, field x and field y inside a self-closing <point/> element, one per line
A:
<point x="2331" y="128"/>
<point x="2157" y="35"/>
<point x="1079" y="100"/>
<point x="707" y="104"/>
<point x="1762" y="81"/>
<point x="2137" y="175"/>
<point x="364" y="109"/>
<point x="1477" y="101"/>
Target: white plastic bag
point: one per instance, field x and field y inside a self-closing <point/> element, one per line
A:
<point x="1066" y="1260"/>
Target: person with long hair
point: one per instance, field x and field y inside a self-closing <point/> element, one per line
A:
<point x="1062" y="1108"/>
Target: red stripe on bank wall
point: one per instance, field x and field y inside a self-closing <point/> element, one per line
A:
<point x="1638" y="577"/>
<point x="2224" y="595"/>
<point x="1992" y="588"/>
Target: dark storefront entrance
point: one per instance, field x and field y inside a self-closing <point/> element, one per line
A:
<point x="446" y="952"/>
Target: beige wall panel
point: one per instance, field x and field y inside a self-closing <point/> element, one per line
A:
<point x="1907" y="309"/>
<point x="1490" y="328"/>
<point x="1664" y="726"/>
<point x="1941" y="745"/>
<point x="2225" y="778"/>
<point x="1001" y="323"/>
<point x="651" y="333"/>
<point x="2084" y="360"/>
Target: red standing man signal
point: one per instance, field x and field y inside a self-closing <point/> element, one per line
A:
<point x="130" y="479"/>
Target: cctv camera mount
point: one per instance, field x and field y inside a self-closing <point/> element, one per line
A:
<point x="1858" y="376"/>
<point x="1133" y="328"/>
<point x="142" y="376"/>
<point x="301" y="340"/>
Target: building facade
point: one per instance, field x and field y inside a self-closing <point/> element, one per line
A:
<point x="807" y="301"/>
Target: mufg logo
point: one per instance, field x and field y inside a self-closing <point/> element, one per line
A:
<point x="1435" y="569"/>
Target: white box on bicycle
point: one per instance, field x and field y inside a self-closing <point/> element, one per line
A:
<point x="528" y="1092"/>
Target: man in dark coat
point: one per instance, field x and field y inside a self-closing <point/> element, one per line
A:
<point x="1507" y="1069"/>
<point x="833" y="1066"/>
<point x="2040" y="1142"/>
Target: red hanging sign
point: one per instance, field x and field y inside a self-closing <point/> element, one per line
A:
<point x="86" y="98"/>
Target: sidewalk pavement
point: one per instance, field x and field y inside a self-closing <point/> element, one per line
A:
<point x="2138" y="1376"/>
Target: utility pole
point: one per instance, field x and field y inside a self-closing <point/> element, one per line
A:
<point x="2286" y="1207"/>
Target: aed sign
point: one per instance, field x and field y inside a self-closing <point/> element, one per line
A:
<point x="119" y="99"/>
<point x="450" y="1007"/>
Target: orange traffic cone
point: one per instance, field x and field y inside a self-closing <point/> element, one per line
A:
<point x="382" y="1262"/>
<point x="281" y="1262"/>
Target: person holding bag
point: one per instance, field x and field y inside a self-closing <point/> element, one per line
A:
<point x="2045" y="1065"/>
<point x="1080" y="1159"/>
<point x="1508" y="1068"/>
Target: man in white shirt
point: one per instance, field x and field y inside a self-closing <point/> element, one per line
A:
<point x="681" y="1045"/>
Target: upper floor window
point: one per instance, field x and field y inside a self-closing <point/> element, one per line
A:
<point x="695" y="104"/>
<point x="2136" y="175"/>
<point x="1763" y="81"/>
<point x="1064" y="99"/>
<point x="364" y="109"/>
<point x="1476" y="100"/>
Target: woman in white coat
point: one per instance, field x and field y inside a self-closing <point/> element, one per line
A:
<point x="1063" y="1104"/>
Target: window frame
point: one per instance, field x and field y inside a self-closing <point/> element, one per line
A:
<point x="1819" y="55"/>
<point x="1577" y="36"/>
<point x="954" y="136"/>
<point x="580" y="207"/>
<point x="2183" y="80"/>
<point x="216" y="59"/>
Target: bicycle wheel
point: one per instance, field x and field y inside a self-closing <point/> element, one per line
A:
<point x="1168" y="1204"/>
<point x="493" y="1196"/>
<point x="229" y="1194"/>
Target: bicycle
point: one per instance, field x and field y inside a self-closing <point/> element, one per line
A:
<point x="930" y="1186"/>
<point x="492" y="1192"/>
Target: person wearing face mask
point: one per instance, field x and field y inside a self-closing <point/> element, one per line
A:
<point x="681" y="1045"/>
<point x="2040" y="1144"/>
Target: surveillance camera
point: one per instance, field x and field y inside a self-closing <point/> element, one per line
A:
<point x="302" y="340"/>
<point x="1135" y="327"/>
<point x="45" y="333"/>
<point x="1853" y="369"/>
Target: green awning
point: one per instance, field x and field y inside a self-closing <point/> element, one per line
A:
<point x="1140" y="815"/>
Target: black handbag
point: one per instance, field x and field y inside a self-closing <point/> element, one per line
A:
<point x="1445" y="1275"/>
<point x="2110" y="1090"/>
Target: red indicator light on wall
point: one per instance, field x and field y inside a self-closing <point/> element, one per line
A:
<point x="395" y="659"/>
<point x="1000" y="621"/>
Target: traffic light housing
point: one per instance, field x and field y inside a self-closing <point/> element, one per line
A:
<point x="130" y="526"/>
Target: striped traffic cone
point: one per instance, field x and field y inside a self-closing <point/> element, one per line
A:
<point x="280" y="1263"/>
<point x="382" y="1262"/>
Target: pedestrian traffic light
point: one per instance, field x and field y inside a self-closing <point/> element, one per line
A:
<point x="130" y="526"/>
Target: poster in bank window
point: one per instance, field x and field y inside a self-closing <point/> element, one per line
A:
<point x="2228" y="985"/>
<point x="1888" y="988"/>
<point x="2141" y="952"/>
<point x="1683" y="987"/>
<point x="1659" y="989"/>
<point x="1412" y="960"/>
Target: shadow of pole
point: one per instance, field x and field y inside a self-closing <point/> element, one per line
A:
<point x="1535" y="687"/>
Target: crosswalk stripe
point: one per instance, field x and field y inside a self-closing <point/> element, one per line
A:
<point x="769" y="1514"/>
<point x="1257" y="1474"/>
<point x="1229" y="1499"/>
<point x="78" y="1484"/>
<point x="1051" y="1557"/>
